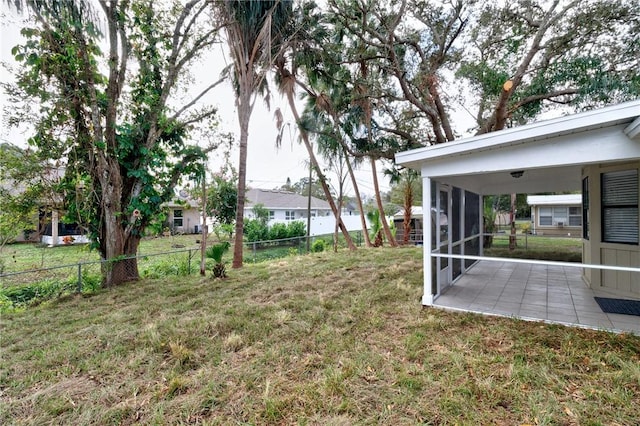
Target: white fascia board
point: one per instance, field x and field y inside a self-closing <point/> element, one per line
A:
<point x="609" y="116"/>
<point x="633" y="130"/>
<point x="596" y="146"/>
<point x="554" y="200"/>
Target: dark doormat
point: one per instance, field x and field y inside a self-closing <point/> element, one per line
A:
<point x="619" y="306"/>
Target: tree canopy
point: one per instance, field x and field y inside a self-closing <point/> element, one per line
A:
<point x="104" y="81"/>
<point x="99" y="82"/>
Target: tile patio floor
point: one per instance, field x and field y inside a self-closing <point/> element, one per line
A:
<point x="553" y="294"/>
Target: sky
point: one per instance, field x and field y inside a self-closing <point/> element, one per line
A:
<point x="267" y="166"/>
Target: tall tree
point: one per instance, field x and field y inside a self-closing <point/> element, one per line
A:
<point x="255" y="32"/>
<point x="307" y="33"/>
<point x="116" y="132"/>
<point x="524" y="58"/>
<point x="508" y="61"/>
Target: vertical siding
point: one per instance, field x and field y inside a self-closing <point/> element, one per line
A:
<point x="623" y="281"/>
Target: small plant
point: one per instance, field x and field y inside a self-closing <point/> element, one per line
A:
<point x="525" y="227"/>
<point x="318" y="246"/>
<point x="215" y="252"/>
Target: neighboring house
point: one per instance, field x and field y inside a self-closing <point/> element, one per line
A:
<point x="597" y="152"/>
<point x="47" y="226"/>
<point x="284" y="206"/>
<point x="183" y="214"/>
<point x="416" y="235"/>
<point x="556" y="214"/>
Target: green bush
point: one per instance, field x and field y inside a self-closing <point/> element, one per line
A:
<point x="318" y="246"/>
<point x="296" y="228"/>
<point x="255" y="230"/>
<point x="278" y="231"/>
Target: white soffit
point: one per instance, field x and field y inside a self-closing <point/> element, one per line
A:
<point x="610" y="128"/>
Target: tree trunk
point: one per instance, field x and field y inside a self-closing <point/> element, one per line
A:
<point x="383" y="218"/>
<point x="244" y="115"/>
<point x="363" y="218"/>
<point x="203" y="241"/>
<point x="321" y="177"/>
<point x="408" y="205"/>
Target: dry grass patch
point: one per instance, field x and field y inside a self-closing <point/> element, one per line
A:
<point x="324" y="339"/>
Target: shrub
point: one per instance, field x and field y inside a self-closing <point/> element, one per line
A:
<point x="215" y="252"/>
<point x="318" y="246"/>
<point x="296" y="228"/>
<point x="255" y="230"/>
<point x="278" y="231"/>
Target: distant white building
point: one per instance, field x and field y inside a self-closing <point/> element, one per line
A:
<point x="556" y="214"/>
<point x="284" y="206"/>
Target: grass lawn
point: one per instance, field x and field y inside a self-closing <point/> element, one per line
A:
<point x="562" y="249"/>
<point x="327" y="338"/>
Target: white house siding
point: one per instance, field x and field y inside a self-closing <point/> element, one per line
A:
<point x="190" y="219"/>
<point x="284" y="215"/>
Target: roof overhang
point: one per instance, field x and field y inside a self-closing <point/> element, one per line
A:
<point x="550" y="153"/>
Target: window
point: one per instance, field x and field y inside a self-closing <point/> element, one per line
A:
<point x="575" y="216"/>
<point x="289" y="215"/>
<point x="545" y="216"/>
<point x="620" y="207"/>
<point x="559" y="216"/>
<point x="177" y="218"/>
<point x="585" y="208"/>
<point x="272" y="214"/>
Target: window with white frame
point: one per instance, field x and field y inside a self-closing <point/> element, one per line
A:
<point x="559" y="216"/>
<point x="272" y="214"/>
<point x="620" y="207"/>
<point x="177" y="218"/>
<point x="289" y="215"/>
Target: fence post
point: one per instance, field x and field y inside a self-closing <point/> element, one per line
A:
<point x="254" y="251"/>
<point x="189" y="262"/>
<point x="79" y="288"/>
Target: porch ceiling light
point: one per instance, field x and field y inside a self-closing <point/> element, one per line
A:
<point x="517" y="174"/>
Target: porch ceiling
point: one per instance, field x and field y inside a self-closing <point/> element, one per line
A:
<point x="548" y="179"/>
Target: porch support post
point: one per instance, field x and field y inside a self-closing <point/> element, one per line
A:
<point x="54" y="227"/>
<point x="427" y="295"/>
<point x="481" y="223"/>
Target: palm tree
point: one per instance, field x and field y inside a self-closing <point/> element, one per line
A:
<point x="305" y="31"/>
<point x="255" y="32"/>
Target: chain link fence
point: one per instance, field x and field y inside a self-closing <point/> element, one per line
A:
<point x="22" y="288"/>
